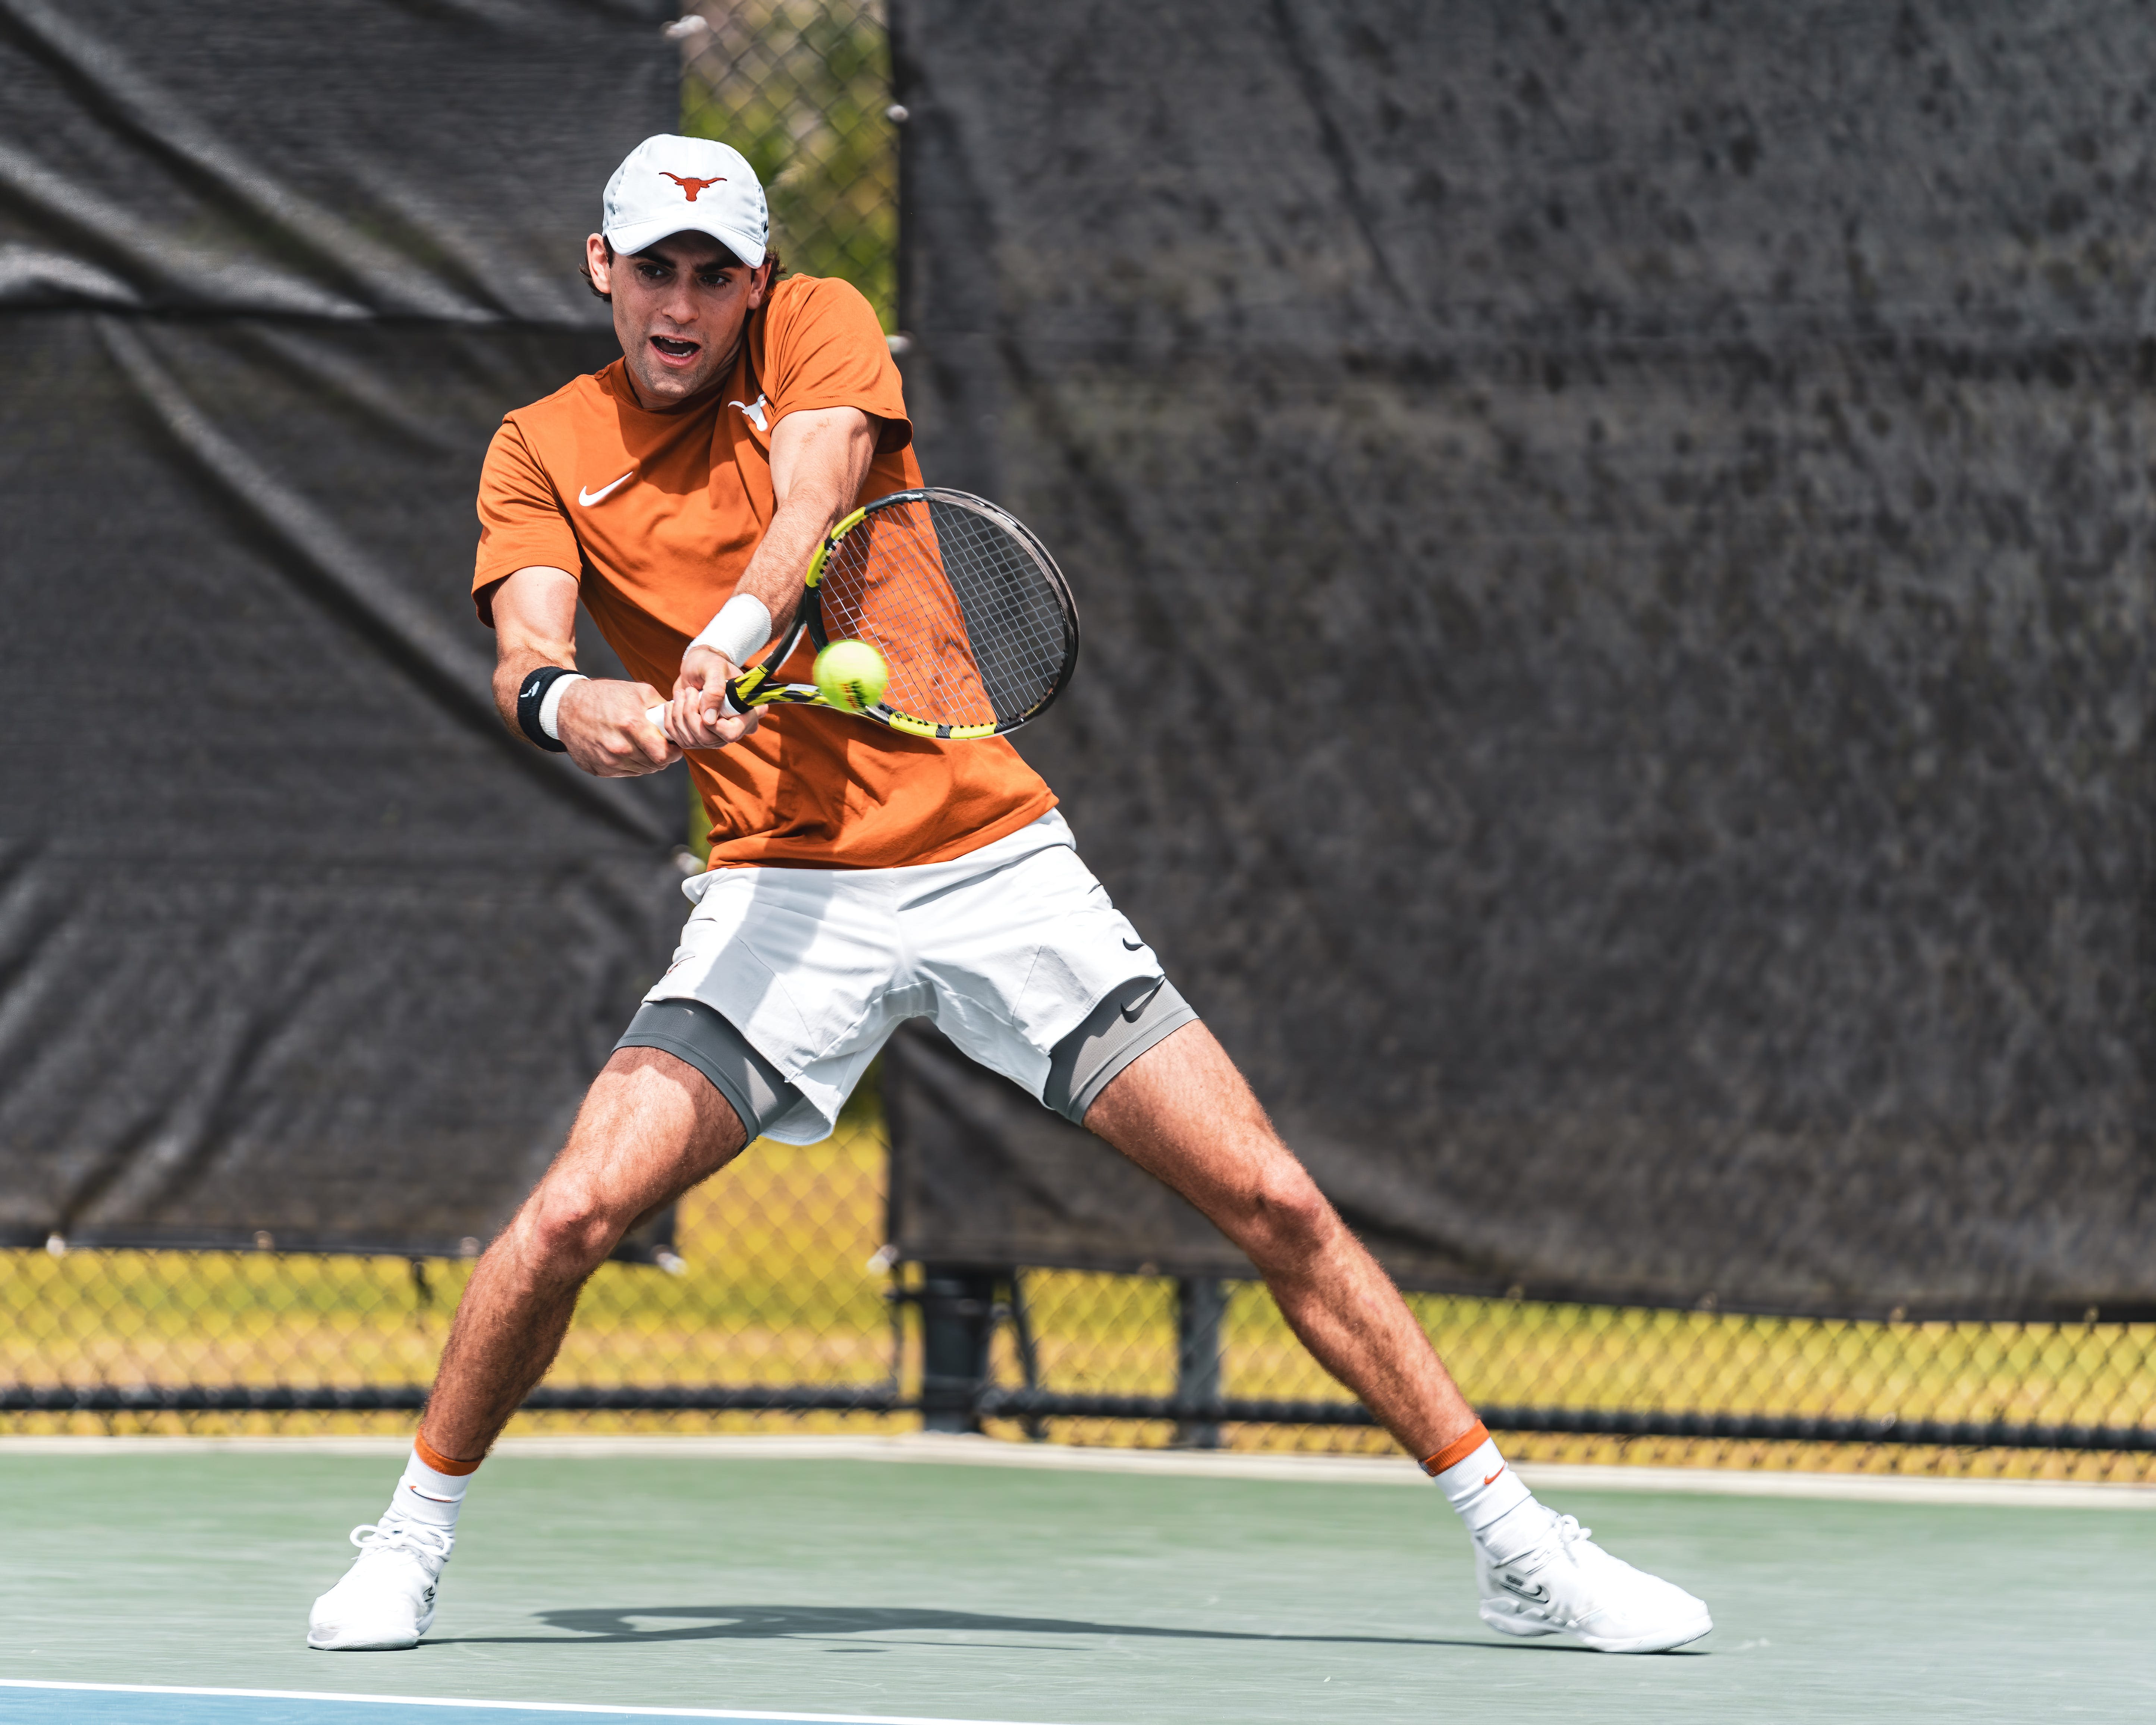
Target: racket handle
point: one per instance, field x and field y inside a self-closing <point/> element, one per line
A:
<point x="731" y="701"/>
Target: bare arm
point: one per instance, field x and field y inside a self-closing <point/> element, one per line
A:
<point x="601" y="722"/>
<point x="819" y="459"/>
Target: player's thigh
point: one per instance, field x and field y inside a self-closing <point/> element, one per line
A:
<point x="651" y="1127"/>
<point x="1182" y="1112"/>
<point x="1034" y="972"/>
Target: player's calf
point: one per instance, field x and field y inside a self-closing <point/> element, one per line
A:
<point x="650" y="1128"/>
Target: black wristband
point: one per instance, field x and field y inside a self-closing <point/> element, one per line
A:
<point x="532" y="696"/>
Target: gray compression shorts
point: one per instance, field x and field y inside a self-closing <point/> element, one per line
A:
<point x="1129" y="1020"/>
<point x="1134" y="1015"/>
<point x="691" y="1031"/>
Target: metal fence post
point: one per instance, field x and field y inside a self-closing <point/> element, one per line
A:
<point x="1200" y="1304"/>
<point x="957" y="1320"/>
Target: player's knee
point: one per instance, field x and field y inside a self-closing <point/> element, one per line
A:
<point x="573" y="1229"/>
<point x="1290" y="1218"/>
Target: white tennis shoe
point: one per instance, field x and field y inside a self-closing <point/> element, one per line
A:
<point x="1568" y="1585"/>
<point x="387" y="1598"/>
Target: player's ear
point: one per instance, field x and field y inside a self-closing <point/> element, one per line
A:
<point x="599" y="257"/>
<point x="759" y="283"/>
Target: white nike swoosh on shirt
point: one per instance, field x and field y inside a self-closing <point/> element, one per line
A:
<point x="588" y="498"/>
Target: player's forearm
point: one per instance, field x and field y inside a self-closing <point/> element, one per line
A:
<point x="535" y="626"/>
<point x="776" y="572"/>
<point x="820" y="460"/>
<point x="515" y="661"/>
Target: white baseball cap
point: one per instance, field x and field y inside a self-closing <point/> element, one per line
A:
<point x="672" y="185"/>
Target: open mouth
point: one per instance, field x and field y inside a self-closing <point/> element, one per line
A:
<point x="675" y="351"/>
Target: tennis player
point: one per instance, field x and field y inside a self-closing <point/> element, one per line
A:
<point x="859" y="877"/>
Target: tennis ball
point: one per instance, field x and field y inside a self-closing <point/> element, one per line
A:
<point x="851" y="675"/>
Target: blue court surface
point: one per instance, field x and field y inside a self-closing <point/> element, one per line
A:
<point x="172" y="1584"/>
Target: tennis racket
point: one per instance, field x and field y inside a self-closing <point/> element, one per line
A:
<point x="972" y="618"/>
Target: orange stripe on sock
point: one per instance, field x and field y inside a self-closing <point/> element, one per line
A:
<point x="1451" y="1455"/>
<point x="443" y="1464"/>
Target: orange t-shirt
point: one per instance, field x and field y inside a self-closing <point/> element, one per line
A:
<point x="657" y="515"/>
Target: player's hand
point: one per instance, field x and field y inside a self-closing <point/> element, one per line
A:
<point x="698" y="716"/>
<point x="603" y="723"/>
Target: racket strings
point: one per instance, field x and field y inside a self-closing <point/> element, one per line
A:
<point x="972" y="625"/>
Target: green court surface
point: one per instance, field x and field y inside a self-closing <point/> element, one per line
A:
<point x="825" y="1588"/>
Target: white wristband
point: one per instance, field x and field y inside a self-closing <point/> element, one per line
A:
<point x="550" y="703"/>
<point x="740" y="629"/>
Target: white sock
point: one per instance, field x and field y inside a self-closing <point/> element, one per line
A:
<point x="426" y="1495"/>
<point x="1497" y="1506"/>
<point x="1519" y="1531"/>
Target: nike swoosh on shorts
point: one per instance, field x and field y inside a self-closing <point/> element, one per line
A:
<point x="588" y="498"/>
<point x="1136" y="1008"/>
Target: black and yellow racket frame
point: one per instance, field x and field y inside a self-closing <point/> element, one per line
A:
<point x="756" y="687"/>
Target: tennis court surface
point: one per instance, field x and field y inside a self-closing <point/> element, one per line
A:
<point x="827" y="1589"/>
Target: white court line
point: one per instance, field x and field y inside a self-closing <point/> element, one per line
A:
<point x="1173" y="1463"/>
<point x="1841" y="1487"/>
<point x="530" y="1707"/>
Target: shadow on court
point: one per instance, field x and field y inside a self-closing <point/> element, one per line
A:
<point x="598" y="1625"/>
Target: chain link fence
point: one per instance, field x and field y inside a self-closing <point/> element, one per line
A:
<point x="775" y="1294"/>
<point x="782" y="1309"/>
<point x="802" y="87"/>
<point x="781" y="1312"/>
<point x="1603" y="1383"/>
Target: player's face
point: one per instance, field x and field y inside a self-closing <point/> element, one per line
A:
<point x="677" y="311"/>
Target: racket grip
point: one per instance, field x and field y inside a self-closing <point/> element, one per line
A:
<point x="731" y="699"/>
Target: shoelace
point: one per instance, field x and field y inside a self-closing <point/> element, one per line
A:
<point x="429" y="1544"/>
<point x="1565" y="1533"/>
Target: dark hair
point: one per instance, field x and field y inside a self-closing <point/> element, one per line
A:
<point x="726" y="260"/>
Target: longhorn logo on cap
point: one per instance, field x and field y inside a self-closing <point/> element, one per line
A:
<point x="691" y="187"/>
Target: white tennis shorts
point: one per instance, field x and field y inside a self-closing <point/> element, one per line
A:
<point x="1007" y="949"/>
